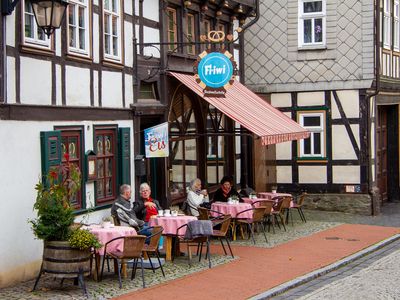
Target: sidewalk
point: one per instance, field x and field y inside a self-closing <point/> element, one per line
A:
<point x="260" y="269"/>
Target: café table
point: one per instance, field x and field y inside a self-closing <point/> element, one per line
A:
<point x="270" y="195"/>
<point x="232" y="209"/>
<point x="170" y="225"/>
<point x="105" y="234"/>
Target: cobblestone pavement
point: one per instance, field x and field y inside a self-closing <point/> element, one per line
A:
<point x="108" y="288"/>
<point x="374" y="276"/>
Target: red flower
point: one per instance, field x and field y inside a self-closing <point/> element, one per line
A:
<point x="66" y="156"/>
<point x="53" y="174"/>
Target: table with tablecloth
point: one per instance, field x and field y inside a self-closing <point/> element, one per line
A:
<point x="170" y="225"/>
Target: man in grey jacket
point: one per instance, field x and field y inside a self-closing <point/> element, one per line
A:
<point x="125" y="210"/>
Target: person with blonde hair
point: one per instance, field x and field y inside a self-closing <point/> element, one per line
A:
<point x="196" y="196"/>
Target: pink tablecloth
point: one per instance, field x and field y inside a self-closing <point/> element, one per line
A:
<point x="232" y="209"/>
<point x="170" y="224"/>
<point x="252" y="200"/>
<point x="106" y="234"/>
<point x="270" y="195"/>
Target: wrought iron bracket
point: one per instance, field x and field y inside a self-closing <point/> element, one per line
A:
<point x="7" y="6"/>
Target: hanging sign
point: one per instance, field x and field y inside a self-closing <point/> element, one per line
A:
<point x="156" y="141"/>
<point x="215" y="72"/>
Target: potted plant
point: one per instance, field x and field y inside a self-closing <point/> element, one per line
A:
<point x="67" y="248"/>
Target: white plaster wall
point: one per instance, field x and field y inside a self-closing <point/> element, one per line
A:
<point x="346" y="174"/>
<point x="35" y="81"/>
<point x="151" y="35"/>
<point x="137" y="36"/>
<point x="96" y="33"/>
<point x="58" y="85"/>
<point x="350" y="103"/>
<point x="311" y="98"/>
<point x="136" y="7"/>
<point x="150" y="10"/>
<point x="128" y="90"/>
<point x="312" y="174"/>
<point x="77" y="86"/>
<point x="112" y="89"/>
<point x="128" y="46"/>
<point x="341" y="144"/>
<point x="10" y="29"/>
<point x="284" y="174"/>
<point x="57" y="38"/>
<point x="96" y="88"/>
<point x="281" y="100"/>
<point x="284" y="151"/>
<point x="21" y="257"/>
<point x="128" y="7"/>
<point x="11" y="88"/>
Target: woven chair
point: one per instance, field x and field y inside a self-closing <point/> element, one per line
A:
<point x="184" y="235"/>
<point x="222" y="232"/>
<point x="298" y="205"/>
<point x="152" y="246"/>
<point x="257" y="219"/>
<point x="133" y="247"/>
<point x="268" y="211"/>
<point x="204" y="213"/>
<point x="280" y="207"/>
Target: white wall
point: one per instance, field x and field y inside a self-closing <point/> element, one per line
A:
<point x="21" y="256"/>
<point x="77" y="86"/>
<point x="112" y="89"/>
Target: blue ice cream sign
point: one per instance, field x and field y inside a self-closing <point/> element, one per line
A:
<point x="215" y="70"/>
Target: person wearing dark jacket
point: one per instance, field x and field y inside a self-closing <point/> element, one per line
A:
<point x="226" y="190"/>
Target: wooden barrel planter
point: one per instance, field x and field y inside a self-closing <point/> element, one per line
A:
<point x="61" y="260"/>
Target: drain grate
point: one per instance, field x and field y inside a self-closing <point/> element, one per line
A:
<point x="332" y="238"/>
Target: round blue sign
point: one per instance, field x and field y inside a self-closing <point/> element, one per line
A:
<point x="215" y="70"/>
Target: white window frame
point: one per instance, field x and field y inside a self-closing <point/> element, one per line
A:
<point x="35" y="41"/>
<point x="387" y="24"/>
<point x="396" y="25"/>
<point x="313" y="129"/>
<point x="110" y="14"/>
<point x="76" y="5"/>
<point x="311" y="16"/>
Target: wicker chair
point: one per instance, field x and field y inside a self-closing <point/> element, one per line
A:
<point x="258" y="218"/>
<point x="133" y="247"/>
<point x="152" y="246"/>
<point x="298" y="205"/>
<point x="281" y="206"/>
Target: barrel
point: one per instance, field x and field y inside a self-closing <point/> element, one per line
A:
<point x="62" y="260"/>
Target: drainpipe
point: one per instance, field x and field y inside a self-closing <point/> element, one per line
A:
<point x="3" y="58"/>
<point x="371" y="190"/>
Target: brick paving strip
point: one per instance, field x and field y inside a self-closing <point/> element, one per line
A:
<point x="261" y="269"/>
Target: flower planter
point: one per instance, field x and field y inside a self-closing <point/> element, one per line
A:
<point x="61" y="260"/>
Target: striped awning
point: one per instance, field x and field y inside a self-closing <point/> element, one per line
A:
<point x="252" y="112"/>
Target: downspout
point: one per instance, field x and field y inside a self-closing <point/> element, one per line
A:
<point x="371" y="190"/>
<point x="3" y="82"/>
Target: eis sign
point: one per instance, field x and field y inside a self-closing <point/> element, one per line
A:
<point x="215" y="72"/>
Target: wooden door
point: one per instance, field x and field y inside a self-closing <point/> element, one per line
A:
<point x="381" y="153"/>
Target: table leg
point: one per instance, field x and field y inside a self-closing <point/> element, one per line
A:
<point x="168" y="248"/>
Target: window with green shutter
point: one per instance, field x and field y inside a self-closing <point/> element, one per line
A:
<point x="50" y="145"/>
<point x="124" y="156"/>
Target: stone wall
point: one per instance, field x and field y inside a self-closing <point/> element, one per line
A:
<point x="349" y="203"/>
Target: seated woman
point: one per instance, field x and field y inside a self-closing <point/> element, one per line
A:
<point x="196" y="196"/>
<point x="150" y="205"/>
<point x="226" y="190"/>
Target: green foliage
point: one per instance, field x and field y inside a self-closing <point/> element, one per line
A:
<point x="54" y="213"/>
<point x="83" y="239"/>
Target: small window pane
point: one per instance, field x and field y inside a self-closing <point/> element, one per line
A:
<point x="317" y="143"/>
<point x="311" y="7"/>
<point x="312" y="121"/>
<point x="307" y="31"/>
<point x="318" y="30"/>
<point x="307" y="146"/>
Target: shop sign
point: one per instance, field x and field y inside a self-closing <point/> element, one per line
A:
<point x="156" y="141"/>
<point x="215" y="72"/>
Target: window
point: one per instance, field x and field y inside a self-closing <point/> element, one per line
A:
<point x="105" y="145"/>
<point x="312" y="20"/>
<point x="78" y="27"/>
<point x="396" y="25"/>
<point x="190" y="36"/>
<point x="172" y="34"/>
<point x="387" y="22"/>
<point x="222" y="27"/>
<point x="147" y="91"/>
<point x="112" y="29"/>
<point x="207" y="29"/>
<point x="33" y="35"/>
<point x="314" y="146"/>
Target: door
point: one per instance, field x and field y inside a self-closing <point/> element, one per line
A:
<point x="381" y="152"/>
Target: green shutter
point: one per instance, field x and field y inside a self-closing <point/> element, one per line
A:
<point x="124" y="157"/>
<point x="50" y="146"/>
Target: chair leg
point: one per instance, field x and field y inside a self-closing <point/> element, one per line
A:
<point x="208" y="253"/>
<point x="37" y="279"/>
<point x="251" y="228"/>
<point x="151" y="263"/>
<point x="263" y="230"/>
<point x="141" y="264"/>
<point x="159" y="262"/>
<point x="222" y="244"/>
<point x="119" y="275"/>
<point x="229" y="246"/>
<point x="134" y="267"/>
<point x="102" y="267"/>
<point x="283" y="222"/>
<point x="302" y="213"/>
<point x="189" y="254"/>
<point x="81" y="281"/>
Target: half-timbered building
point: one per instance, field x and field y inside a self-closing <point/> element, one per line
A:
<point x="333" y="66"/>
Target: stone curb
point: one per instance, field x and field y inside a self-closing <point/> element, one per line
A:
<point x="317" y="273"/>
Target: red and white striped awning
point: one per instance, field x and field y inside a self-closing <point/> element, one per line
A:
<point x="252" y="112"/>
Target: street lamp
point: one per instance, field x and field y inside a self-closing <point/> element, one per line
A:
<point x="48" y="13"/>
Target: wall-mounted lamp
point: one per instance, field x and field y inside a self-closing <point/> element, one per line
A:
<point x="49" y="14"/>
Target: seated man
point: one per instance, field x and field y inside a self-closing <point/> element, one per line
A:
<point x="125" y="210"/>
